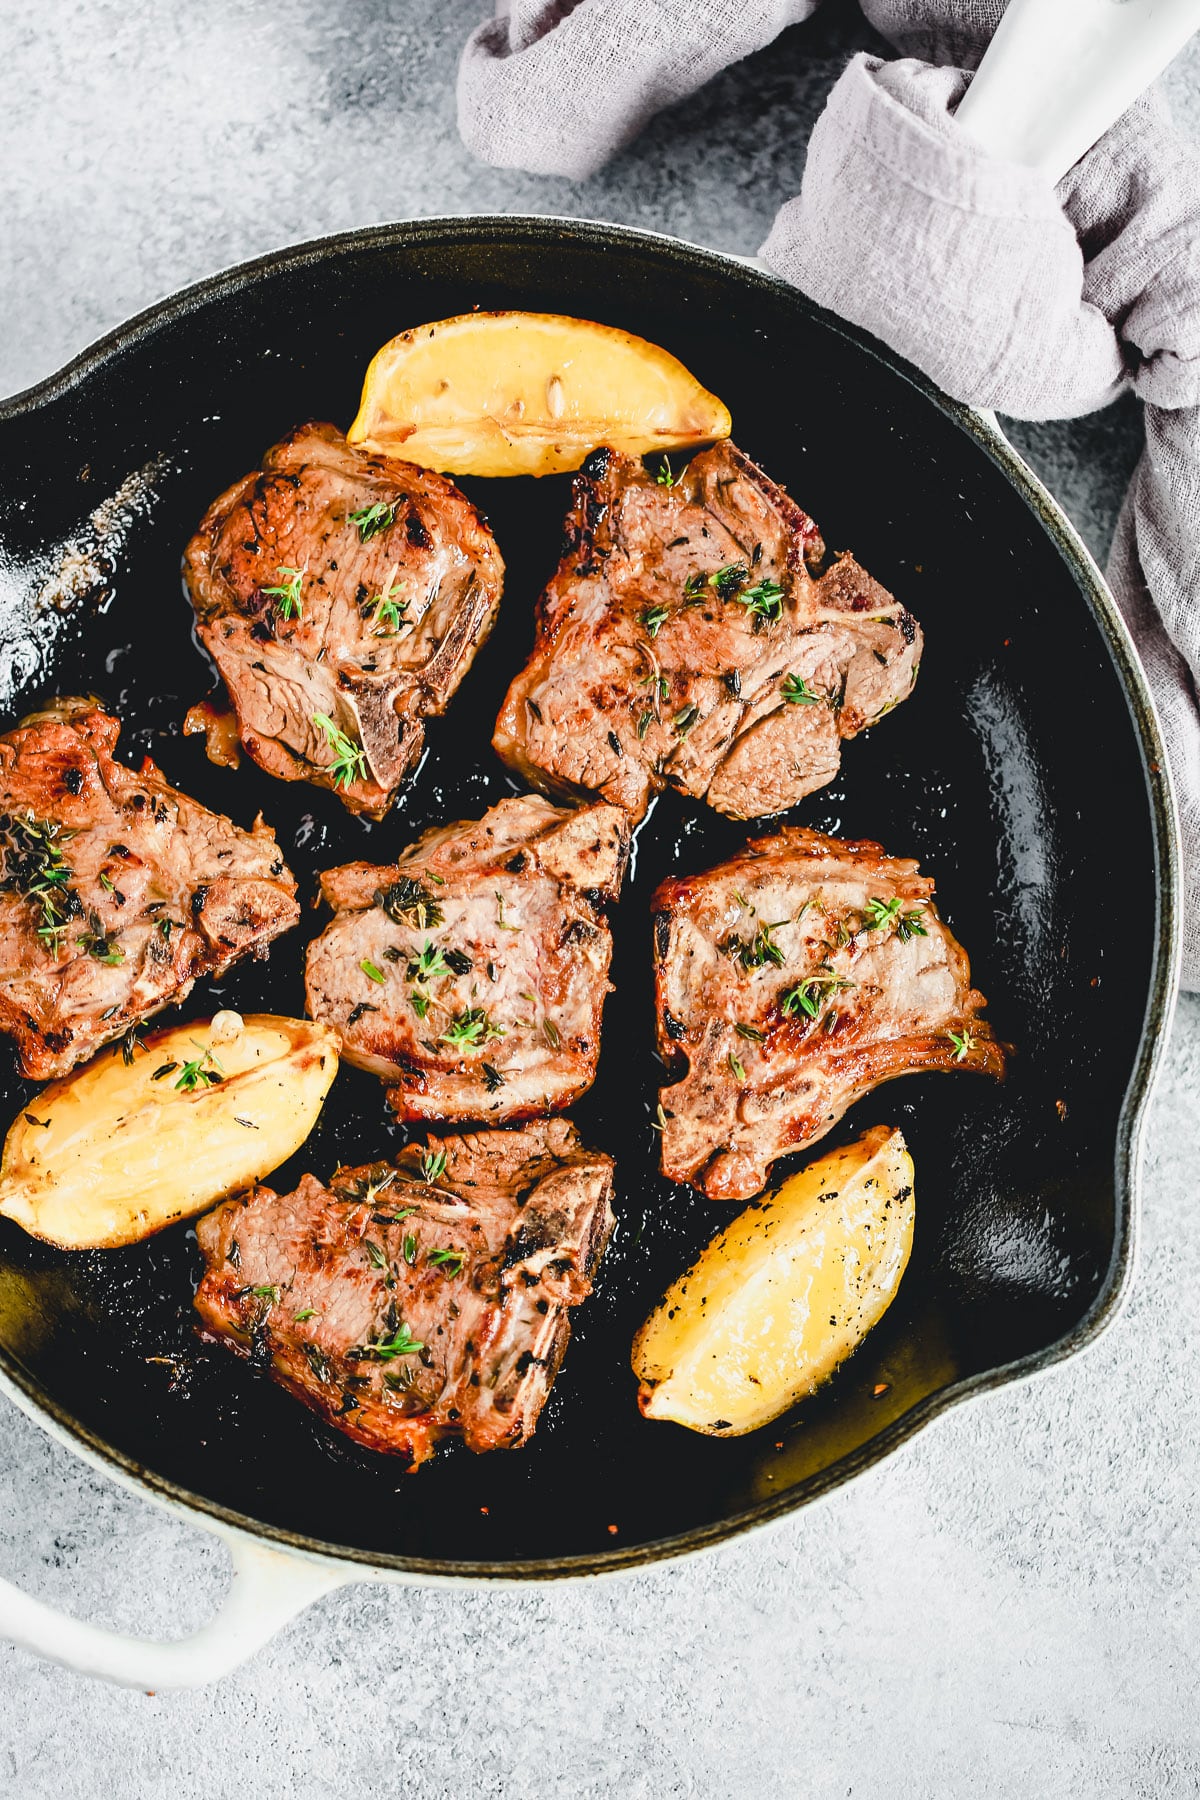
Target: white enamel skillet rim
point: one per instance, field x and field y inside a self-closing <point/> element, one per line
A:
<point x="277" y="1574"/>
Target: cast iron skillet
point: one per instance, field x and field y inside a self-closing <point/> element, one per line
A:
<point x="1025" y="773"/>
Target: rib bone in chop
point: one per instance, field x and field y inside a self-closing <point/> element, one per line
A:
<point x="116" y="890"/>
<point x="342" y="596"/>
<point x="790" y="982"/>
<point x="406" y="1302"/>
<point x="472" y="972"/>
<point x="689" y="637"/>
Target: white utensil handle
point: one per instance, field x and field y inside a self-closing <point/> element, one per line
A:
<point x="1058" y="73"/>
<point x="266" y="1589"/>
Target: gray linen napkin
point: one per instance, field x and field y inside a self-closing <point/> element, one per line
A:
<point x="1040" y="302"/>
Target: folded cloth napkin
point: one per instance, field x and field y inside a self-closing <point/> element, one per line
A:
<point x="1037" y="301"/>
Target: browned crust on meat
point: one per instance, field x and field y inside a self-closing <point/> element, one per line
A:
<point x="160" y="892"/>
<point x="886" y="992"/>
<point x="479" y="1257"/>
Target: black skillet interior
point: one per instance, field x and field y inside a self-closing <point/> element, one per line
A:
<point x="1015" y="773"/>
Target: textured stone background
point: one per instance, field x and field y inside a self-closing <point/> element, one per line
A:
<point x="1009" y="1606"/>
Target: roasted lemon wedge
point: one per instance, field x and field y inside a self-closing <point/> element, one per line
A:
<point x="147" y="1133"/>
<point x="783" y="1294"/>
<point x="518" y="393"/>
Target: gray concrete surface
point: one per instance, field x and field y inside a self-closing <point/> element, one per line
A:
<point x="1009" y="1606"/>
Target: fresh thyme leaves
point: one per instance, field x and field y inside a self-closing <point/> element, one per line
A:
<point x="654" y="618"/>
<point x="762" y="601"/>
<point x="99" y="945"/>
<point x="203" y="1071"/>
<point x="551" y="1033"/>
<point x="725" y="582"/>
<point x="166" y="1069"/>
<point x="684" y="719"/>
<point x="450" y="1262"/>
<point x="760" y="950"/>
<point x="493" y="1080"/>
<point x="309" y="1312"/>
<point x="349" y="759"/>
<point x="266" y="1291"/>
<point x="131" y="1043"/>
<point x="796" y="690"/>
<point x="643" y="724"/>
<point x="433" y="1166"/>
<point x="401" y="1343"/>
<point x="751" y="1032"/>
<point x="964" y="1042"/>
<point x="737" y="1068"/>
<point x="375" y="1253"/>
<point x="665" y="478"/>
<point x="372" y="519"/>
<point x="501" y="921"/>
<point x="409" y="902"/>
<point x="388" y="614"/>
<point x="471" y="1030"/>
<point x="880" y="914"/>
<point x="372" y="971"/>
<point x="410" y="1249"/>
<point x="430" y="965"/>
<point x="459" y="961"/>
<point x="34" y="868"/>
<point x="287" y="594"/>
<point x="812" y="994"/>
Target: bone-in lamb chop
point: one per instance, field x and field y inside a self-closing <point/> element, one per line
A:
<point x="411" y="1301"/>
<point x="472" y="972"/>
<point x="690" y="637"/>
<point x="342" y="596"/>
<point x="791" y="981"/>
<point x="116" y="891"/>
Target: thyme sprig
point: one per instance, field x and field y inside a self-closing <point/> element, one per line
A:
<point x="813" y="994"/>
<point x="203" y="1071"/>
<point x="797" y="692"/>
<point x="287" y="594"/>
<point x="882" y="914"/>
<point x="34" y="868"/>
<point x="471" y="1030"/>
<point x="349" y="759"/>
<point x="371" y="520"/>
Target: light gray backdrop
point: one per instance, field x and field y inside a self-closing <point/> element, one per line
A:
<point x="1008" y="1607"/>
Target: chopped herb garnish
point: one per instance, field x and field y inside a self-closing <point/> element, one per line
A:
<point x="287" y="594"/>
<point x="795" y="689"/>
<point x="267" y="1291"/>
<point x="737" y="1068"/>
<point x="450" y="1262"/>
<point x="199" y="1073"/>
<point x="34" y="868"/>
<point x="550" y="1031"/>
<point x="409" y="902"/>
<point x="964" y="1042"/>
<point x="410" y="1249"/>
<point x="471" y="1030"/>
<point x="131" y="1043"/>
<point x="44" y="1123"/>
<point x="401" y="1343"/>
<point x="501" y="921"/>
<point x="654" y="618"/>
<point x="761" y="949"/>
<point x="433" y="1166"/>
<point x="880" y="914"/>
<point x="374" y="1252"/>
<point x="493" y="1080"/>
<point x="751" y="1032"/>
<point x="248" y="1124"/>
<point x="349" y="759"/>
<point x="812" y="994"/>
<point x="310" y="1312"/>
<point x="167" y="1069"/>
<point x="685" y="719"/>
<point x="372" y="971"/>
<point x="430" y="965"/>
<point x="643" y="724"/>
<point x="373" y="519"/>
<point x="665" y="478"/>
<point x="388" y="611"/>
<point x="762" y="601"/>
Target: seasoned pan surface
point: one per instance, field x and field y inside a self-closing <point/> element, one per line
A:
<point x="1022" y="773"/>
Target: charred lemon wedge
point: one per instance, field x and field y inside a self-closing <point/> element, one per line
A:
<point x="783" y="1295"/>
<point x="518" y="393"/>
<point x="154" y="1131"/>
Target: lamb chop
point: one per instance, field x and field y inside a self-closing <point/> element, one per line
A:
<point x="472" y="972"/>
<point x="689" y="636"/>
<point x="406" y="1302"/>
<point x="116" y="890"/>
<point x="791" y="981"/>
<point x="342" y="596"/>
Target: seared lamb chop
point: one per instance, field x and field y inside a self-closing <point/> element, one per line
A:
<point x="342" y="597"/>
<point x="688" y="637"/>
<point x="793" y="980"/>
<point x="405" y="1302"/>
<point x="472" y="972"/>
<point x="116" y="890"/>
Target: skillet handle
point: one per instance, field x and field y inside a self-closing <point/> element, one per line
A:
<point x="1058" y="73"/>
<point x="266" y="1589"/>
